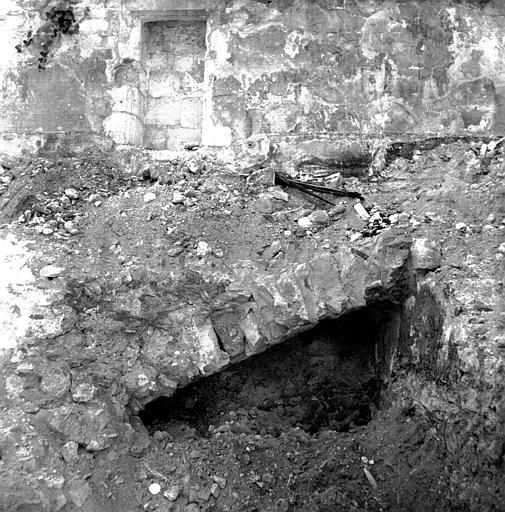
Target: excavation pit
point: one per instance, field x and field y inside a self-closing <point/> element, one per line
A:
<point x="327" y="378"/>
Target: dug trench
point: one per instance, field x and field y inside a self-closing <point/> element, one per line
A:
<point x="282" y="430"/>
<point x="327" y="378"/>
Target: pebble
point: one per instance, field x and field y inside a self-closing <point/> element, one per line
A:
<point x="203" y="249"/>
<point x="69" y="226"/>
<point x="356" y="236"/>
<point x="319" y="217"/>
<point x="155" y="488"/>
<point x="304" y="223"/>
<point x="50" y="271"/>
<point x="178" y="198"/>
<point x="71" y="193"/>
<point x="394" y="219"/>
<point x="46" y="230"/>
<point x="460" y="226"/>
<point x="149" y="196"/>
<point x="501" y="248"/>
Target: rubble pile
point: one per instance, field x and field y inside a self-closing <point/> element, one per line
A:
<point x="175" y="275"/>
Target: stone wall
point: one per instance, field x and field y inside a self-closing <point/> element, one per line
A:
<point x="276" y="68"/>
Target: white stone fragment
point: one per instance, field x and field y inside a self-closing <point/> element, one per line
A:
<point x="203" y="249"/>
<point x="305" y="223"/>
<point x="360" y="210"/>
<point x="149" y="196"/>
<point x="277" y="193"/>
<point x="50" y="271"/>
<point x="155" y="488"/>
<point x="71" y="193"/>
<point x="178" y="198"/>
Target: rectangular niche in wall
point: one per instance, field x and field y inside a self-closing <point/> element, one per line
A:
<point x="175" y="65"/>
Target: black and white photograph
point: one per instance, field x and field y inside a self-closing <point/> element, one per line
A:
<point x="252" y="255"/>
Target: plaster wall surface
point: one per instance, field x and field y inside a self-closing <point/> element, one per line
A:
<point x="284" y="68"/>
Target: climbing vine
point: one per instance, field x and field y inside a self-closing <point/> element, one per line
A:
<point x="59" y="20"/>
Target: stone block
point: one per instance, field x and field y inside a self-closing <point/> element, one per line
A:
<point x="124" y="128"/>
<point x="163" y="112"/>
<point x="191" y="113"/>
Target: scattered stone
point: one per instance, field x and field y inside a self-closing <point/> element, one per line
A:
<point x="60" y="501"/>
<point x="172" y="493"/>
<point x="334" y="180"/>
<point x="178" y="198"/>
<point x="501" y="248"/>
<point x="150" y="196"/>
<point x="337" y="210"/>
<point x="51" y="271"/>
<point x="69" y="452"/>
<point x="215" y="490"/>
<point x="305" y="223"/>
<point x="426" y="254"/>
<point x="46" y="230"/>
<point x="360" y="210"/>
<point x="194" y="166"/>
<point x="71" y="193"/>
<point x="69" y="227"/>
<point x="175" y="251"/>
<point x="54" y="481"/>
<point x="55" y="384"/>
<point x="460" y="226"/>
<point x="356" y="236"/>
<point x="320" y="217"/>
<point x="394" y="219"/>
<point x="155" y="488"/>
<point x="220" y="481"/>
<point x="278" y="193"/>
<point x="203" y="249"/>
<point x="79" y="492"/>
<point x="205" y="493"/>
<point x="83" y="392"/>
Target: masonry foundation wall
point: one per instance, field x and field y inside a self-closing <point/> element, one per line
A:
<point x="278" y="68"/>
